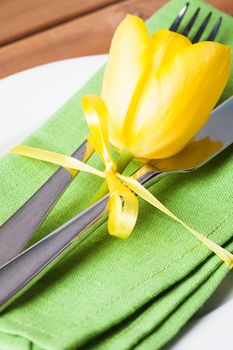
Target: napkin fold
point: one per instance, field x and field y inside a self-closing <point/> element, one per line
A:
<point x="108" y="293"/>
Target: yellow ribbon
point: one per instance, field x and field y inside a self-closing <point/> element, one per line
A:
<point x="123" y="204"/>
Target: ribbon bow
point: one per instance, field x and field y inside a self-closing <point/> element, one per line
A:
<point x="123" y="203"/>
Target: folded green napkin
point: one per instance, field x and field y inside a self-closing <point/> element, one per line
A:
<point x="108" y="293"/>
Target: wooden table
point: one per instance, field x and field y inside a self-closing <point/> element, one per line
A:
<point x="35" y="32"/>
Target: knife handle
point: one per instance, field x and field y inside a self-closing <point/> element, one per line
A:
<point x="25" y="269"/>
<point x="19" y="228"/>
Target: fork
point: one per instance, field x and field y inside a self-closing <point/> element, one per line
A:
<point x="32" y="264"/>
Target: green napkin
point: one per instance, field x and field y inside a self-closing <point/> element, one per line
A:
<point x="108" y="293"/>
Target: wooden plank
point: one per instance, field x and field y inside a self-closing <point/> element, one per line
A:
<point x="223" y="5"/>
<point x="19" y="19"/>
<point x="90" y="34"/>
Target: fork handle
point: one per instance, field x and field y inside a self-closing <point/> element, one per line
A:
<point x="19" y="228"/>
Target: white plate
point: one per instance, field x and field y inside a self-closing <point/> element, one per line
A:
<point x="27" y="101"/>
<point x="30" y="97"/>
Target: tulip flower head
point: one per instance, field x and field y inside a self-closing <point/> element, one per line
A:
<point x="160" y="89"/>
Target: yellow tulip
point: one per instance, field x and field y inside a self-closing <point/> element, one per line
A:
<point x="160" y="89"/>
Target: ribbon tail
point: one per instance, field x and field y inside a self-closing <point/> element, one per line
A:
<point x="70" y="163"/>
<point x="134" y="185"/>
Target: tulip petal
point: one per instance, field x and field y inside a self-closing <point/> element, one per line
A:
<point x="162" y="47"/>
<point x="127" y="61"/>
<point x="176" y="101"/>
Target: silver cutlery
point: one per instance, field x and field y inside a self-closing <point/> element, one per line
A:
<point x="20" y="273"/>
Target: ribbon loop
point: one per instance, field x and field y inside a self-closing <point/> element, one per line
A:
<point x="96" y="114"/>
<point x="123" y="208"/>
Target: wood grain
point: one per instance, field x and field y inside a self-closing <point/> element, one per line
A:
<point x="90" y="34"/>
<point x="223" y="5"/>
<point x="20" y="18"/>
<point x="85" y="35"/>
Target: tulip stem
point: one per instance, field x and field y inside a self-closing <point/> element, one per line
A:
<point x="124" y="159"/>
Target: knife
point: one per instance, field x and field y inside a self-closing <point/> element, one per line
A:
<point x="19" y="228"/>
<point x="24" y="270"/>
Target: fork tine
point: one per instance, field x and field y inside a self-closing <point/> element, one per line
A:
<point x="201" y="28"/>
<point x="191" y="22"/>
<point x="179" y="18"/>
<point x="215" y="30"/>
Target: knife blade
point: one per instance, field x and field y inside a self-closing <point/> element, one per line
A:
<point x="24" y="270"/>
